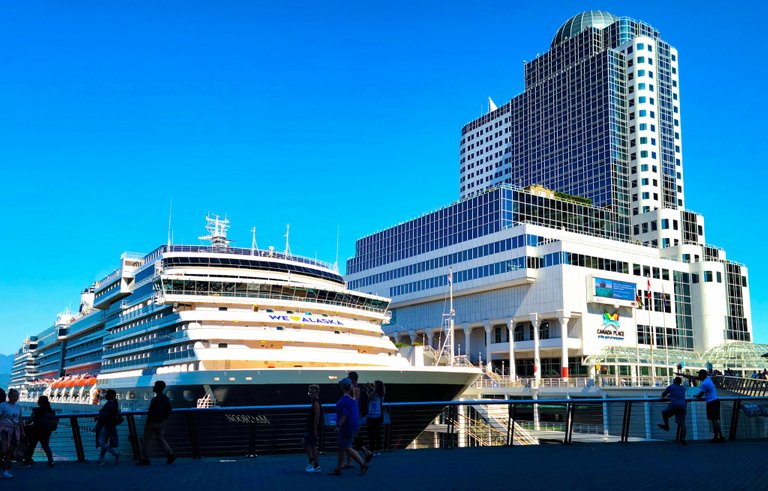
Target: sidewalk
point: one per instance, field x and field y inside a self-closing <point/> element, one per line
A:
<point x="589" y="467"/>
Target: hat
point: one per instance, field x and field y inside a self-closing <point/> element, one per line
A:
<point x="345" y="383"/>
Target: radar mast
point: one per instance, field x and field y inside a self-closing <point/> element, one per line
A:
<point x="217" y="232"/>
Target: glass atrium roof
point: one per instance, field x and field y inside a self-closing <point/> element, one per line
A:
<point x="735" y="355"/>
<point x="583" y="21"/>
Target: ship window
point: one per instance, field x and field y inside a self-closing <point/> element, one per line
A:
<point x="307" y="313"/>
<point x="222" y="345"/>
<point x="280" y="328"/>
<point x="289" y="311"/>
<point x="255" y="308"/>
<point x="222" y="308"/>
<point x="216" y="379"/>
<point x="270" y="310"/>
<point x="188" y="395"/>
<point x="249" y="378"/>
<point x="131" y="395"/>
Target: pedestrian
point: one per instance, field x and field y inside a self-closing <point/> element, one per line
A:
<point x="676" y="407"/>
<point x="106" y="427"/>
<point x="11" y="429"/>
<point x="159" y="410"/>
<point x="347" y="422"/>
<point x="709" y="393"/>
<point x="42" y="423"/>
<point x="375" y="415"/>
<point x="361" y="398"/>
<point x="314" y="425"/>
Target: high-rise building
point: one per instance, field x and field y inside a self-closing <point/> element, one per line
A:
<point x="571" y="215"/>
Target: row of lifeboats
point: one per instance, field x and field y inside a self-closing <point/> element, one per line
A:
<point x="67" y="382"/>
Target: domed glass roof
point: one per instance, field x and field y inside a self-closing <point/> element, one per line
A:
<point x="583" y="21"/>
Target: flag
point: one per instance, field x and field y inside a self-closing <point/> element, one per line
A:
<point x="639" y="299"/>
<point x="648" y="294"/>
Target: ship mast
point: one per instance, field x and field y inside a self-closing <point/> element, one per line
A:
<point x="448" y="326"/>
<point x="217" y="232"/>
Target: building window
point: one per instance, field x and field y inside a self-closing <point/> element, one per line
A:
<point x="664" y="223"/>
<point x="708" y="276"/>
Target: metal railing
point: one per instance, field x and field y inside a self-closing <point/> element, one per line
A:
<point x="495" y="380"/>
<point x="247" y="431"/>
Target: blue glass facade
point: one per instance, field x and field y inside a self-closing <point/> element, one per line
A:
<point x="567" y="130"/>
<point x="491" y="212"/>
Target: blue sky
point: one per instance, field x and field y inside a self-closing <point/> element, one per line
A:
<point x="319" y="114"/>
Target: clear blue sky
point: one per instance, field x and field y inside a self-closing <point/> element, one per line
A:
<point x="317" y="114"/>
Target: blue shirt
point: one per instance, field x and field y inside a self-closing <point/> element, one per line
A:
<point x="676" y="395"/>
<point x="708" y="389"/>
<point x="348" y="407"/>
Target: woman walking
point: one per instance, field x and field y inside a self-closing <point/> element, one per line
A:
<point x="11" y="429"/>
<point x="106" y="427"/>
<point x="375" y="416"/>
<point x="43" y="422"/>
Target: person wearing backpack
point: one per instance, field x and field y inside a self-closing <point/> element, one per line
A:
<point x="43" y="422"/>
<point x="159" y="410"/>
<point x="361" y="399"/>
<point x="375" y="415"/>
<point x="106" y="427"/>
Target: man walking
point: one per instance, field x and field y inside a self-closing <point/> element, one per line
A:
<point x="312" y="431"/>
<point x="676" y="407"/>
<point x="159" y="410"/>
<point x="709" y="393"/>
<point x="347" y="422"/>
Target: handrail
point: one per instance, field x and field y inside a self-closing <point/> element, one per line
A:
<point x="247" y="429"/>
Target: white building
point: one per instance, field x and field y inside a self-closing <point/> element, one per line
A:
<point x="610" y="260"/>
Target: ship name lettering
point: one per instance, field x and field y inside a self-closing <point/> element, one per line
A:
<point x="258" y="419"/>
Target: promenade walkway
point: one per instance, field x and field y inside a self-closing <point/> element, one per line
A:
<point x="699" y="466"/>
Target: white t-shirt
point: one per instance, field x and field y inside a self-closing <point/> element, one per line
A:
<point x="10" y="414"/>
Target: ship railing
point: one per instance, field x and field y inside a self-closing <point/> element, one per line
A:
<point x="238" y="251"/>
<point x="250" y="430"/>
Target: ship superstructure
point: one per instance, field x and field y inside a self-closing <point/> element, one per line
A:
<point x="221" y="325"/>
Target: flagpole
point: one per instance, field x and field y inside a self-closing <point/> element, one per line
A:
<point x="637" y="348"/>
<point x="664" y="320"/>
<point x="653" y="331"/>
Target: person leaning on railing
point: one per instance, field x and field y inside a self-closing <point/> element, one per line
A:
<point x="709" y="393"/>
<point x="676" y="407"/>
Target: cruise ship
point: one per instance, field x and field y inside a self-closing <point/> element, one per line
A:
<point x="222" y="326"/>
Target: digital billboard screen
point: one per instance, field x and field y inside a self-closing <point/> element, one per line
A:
<point x="619" y="290"/>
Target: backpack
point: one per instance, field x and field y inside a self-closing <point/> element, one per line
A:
<point x="374" y="407"/>
<point x="49" y="421"/>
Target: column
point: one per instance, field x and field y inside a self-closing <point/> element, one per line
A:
<point x="536" y="351"/>
<point x="410" y="336"/>
<point x="487" y="327"/>
<point x="564" y="354"/>
<point x="467" y="334"/>
<point x="511" y="330"/>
